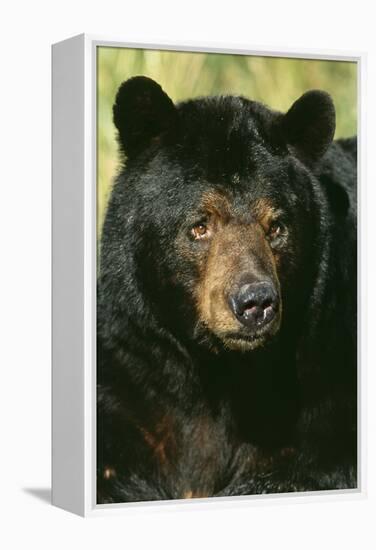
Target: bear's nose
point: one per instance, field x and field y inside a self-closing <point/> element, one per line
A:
<point x="255" y="304"/>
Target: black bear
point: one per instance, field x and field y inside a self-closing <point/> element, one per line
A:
<point x="226" y="315"/>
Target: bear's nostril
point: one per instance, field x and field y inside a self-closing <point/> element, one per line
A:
<point x="254" y="315"/>
<point x="247" y="307"/>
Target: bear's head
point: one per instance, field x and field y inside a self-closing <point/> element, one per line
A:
<point x="213" y="228"/>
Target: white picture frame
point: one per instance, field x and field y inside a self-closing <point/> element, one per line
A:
<point x="74" y="278"/>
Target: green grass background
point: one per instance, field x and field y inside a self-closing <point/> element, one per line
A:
<point x="277" y="82"/>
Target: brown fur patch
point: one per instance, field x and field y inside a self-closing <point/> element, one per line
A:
<point x="160" y="440"/>
<point x="195" y="494"/>
<point x="265" y="213"/>
<point x="216" y="204"/>
<point x="288" y="452"/>
<point x="109" y="473"/>
<point x="158" y="446"/>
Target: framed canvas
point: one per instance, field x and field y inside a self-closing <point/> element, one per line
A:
<point x="207" y="304"/>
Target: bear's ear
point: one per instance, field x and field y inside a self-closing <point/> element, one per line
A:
<point x="308" y="126"/>
<point x="142" y="111"/>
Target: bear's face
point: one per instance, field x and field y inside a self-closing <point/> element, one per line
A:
<point x="237" y="250"/>
<point x="232" y="253"/>
<point x="214" y="189"/>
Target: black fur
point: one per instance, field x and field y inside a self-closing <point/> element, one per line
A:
<point x="179" y="414"/>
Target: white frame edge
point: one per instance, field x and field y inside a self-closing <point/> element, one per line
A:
<point x="74" y="279"/>
<point x="68" y="380"/>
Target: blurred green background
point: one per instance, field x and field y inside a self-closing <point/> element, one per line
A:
<point x="277" y="82"/>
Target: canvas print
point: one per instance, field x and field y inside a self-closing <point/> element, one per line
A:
<point x="227" y="275"/>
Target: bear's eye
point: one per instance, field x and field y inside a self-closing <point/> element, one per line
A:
<point x="200" y="231"/>
<point x="274" y="230"/>
<point x="276" y="234"/>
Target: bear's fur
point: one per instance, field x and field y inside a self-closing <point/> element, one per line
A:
<point x="198" y="396"/>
